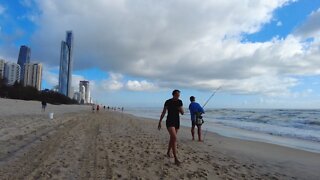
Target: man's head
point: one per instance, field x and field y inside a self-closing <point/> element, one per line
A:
<point x="176" y="93"/>
<point x="192" y="99"/>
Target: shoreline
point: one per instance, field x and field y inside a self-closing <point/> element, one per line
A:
<point x="242" y="134"/>
<point x="229" y="137"/>
<point x="292" y="159"/>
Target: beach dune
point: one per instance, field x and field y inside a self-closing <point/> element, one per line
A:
<point x="79" y="144"/>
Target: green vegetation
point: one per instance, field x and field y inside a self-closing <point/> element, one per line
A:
<point x="18" y="91"/>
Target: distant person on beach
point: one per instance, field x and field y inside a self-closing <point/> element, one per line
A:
<point x="195" y="111"/>
<point x="122" y="109"/>
<point x="93" y="108"/>
<point x="104" y="107"/>
<point x="44" y="105"/>
<point x="108" y="107"/>
<point x="98" y="107"/>
<point x="174" y="107"/>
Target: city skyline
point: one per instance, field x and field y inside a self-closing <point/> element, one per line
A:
<point x="11" y="72"/>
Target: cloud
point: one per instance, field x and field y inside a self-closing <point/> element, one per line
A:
<point x="113" y="83"/>
<point x="311" y="27"/>
<point x="2" y="9"/>
<point x="190" y="43"/>
<point x="26" y="3"/>
<point x="144" y="85"/>
<point x="279" y="23"/>
<point x="75" y="81"/>
<point x="51" y="78"/>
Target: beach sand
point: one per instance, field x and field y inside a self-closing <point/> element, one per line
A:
<point x="79" y="144"/>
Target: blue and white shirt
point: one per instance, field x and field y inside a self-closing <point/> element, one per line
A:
<point x="194" y="108"/>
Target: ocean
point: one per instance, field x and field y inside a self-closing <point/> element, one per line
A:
<point x="298" y="129"/>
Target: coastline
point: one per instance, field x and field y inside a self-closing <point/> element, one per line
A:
<point x="79" y="144"/>
<point x="243" y="134"/>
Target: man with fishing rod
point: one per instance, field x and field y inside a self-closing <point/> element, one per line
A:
<point x="196" y="112"/>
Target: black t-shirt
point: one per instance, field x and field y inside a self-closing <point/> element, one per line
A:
<point x="173" y="109"/>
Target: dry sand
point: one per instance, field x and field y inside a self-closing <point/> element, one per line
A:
<point x="112" y="145"/>
<point x="10" y="107"/>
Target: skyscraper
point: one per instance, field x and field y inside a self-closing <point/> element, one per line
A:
<point x="84" y="92"/>
<point x="12" y="73"/>
<point x="33" y="75"/>
<point x="24" y="57"/>
<point x="2" y="63"/>
<point x="66" y="63"/>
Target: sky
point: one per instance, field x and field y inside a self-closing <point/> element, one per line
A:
<point x="262" y="53"/>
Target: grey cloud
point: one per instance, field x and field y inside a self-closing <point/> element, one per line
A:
<point x="190" y="43"/>
<point x="311" y="26"/>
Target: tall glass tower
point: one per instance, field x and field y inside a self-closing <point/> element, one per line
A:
<point x="24" y="58"/>
<point x="65" y="74"/>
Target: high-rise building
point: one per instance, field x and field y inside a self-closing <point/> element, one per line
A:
<point x="33" y="75"/>
<point x="2" y="63"/>
<point x="66" y="63"/>
<point x="24" y="57"/>
<point x="76" y="96"/>
<point x="12" y="73"/>
<point x="84" y="92"/>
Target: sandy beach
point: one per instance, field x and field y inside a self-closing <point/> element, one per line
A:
<point x="79" y="144"/>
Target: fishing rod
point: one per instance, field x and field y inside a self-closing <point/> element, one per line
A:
<point x="205" y="133"/>
<point x="211" y="96"/>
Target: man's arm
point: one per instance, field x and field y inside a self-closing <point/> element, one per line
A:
<point x="164" y="111"/>
<point x="181" y="110"/>
<point x="200" y="109"/>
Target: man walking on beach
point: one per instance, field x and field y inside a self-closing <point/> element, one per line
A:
<point x="44" y="105"/>
<point x="195" y="110"/>
<point x="93" y="107"/>
<point x="174" y="107"/>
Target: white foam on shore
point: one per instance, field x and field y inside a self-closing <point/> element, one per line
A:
<point x="232" y="132"/>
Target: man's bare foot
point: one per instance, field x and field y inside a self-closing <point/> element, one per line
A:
<point x="169" y="155"/>
<point x="177" y="162"/>
<point x="200" y="140"/>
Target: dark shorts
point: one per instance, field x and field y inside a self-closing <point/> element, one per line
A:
<point x="175" y="124"/>
<point x="193" y="124"/>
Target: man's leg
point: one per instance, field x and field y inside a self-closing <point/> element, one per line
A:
<point x="169" y="145"/>
<point x="169" y="148"/>
<point x="199" y="133"/>
<point x="173" y="138"/>
<point x="192" y="130"/>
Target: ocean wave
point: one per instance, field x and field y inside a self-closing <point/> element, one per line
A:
<point x="311" y="135"/>
<point x="299" y="124"/>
